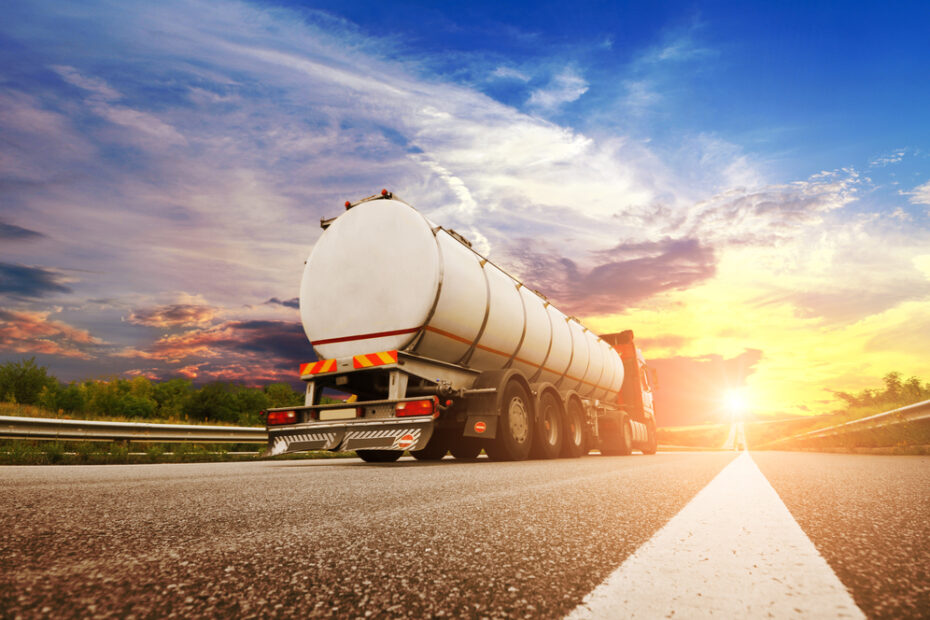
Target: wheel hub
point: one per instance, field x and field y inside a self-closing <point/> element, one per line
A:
<point x="519" y="419"/>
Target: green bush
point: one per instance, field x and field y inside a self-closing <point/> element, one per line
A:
<point x="133" y="406"/>
<point x="23" y="382"/>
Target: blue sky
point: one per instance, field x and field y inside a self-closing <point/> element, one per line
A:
<point x="714" y="175"/>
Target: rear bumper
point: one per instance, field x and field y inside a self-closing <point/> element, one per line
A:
<point x="382" y="434"/>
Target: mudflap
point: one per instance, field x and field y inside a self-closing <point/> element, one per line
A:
<point x="481" y="426"/>
<point x="393" y="434"/>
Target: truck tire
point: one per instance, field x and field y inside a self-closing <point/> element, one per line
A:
<point x="467" y="448"/>
<point x="379" y="456"/>
<point x="626" y="437"/>
<point x="616" y="436"/>
<point x="574" y="441"/>
<point x="515" y="426"/>
<point x="549" y="428"/>
<point x="434" y="450"/>
<point x="652" y="443"/>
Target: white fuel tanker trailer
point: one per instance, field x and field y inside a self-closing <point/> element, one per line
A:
<point x="423" y="344"/>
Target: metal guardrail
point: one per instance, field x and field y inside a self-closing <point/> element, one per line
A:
<point x="93" y="430"/>
<point x="903" y="415"/>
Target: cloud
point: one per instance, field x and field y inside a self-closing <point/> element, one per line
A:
<point x="12" y="232"/>
<point x="33" y="332"/>
<point x="564" y="87"/>
<point x="175" y="315"/>
<point x="287" y="303"/>
<point x="620" y="277"/>
<point x="641" y="96"/>
<point x="920" y="195"/>
<point x="92" y="84"/>
<point x="24" y="281"/>
<point x="100" y="100"/>
<point x="771" y="213"/>
<point x="888" y="159"/>
<point x="509" y="73"/>
<point x="250" y="351"/>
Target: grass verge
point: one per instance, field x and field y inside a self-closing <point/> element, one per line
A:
<point x="30" y="452"/>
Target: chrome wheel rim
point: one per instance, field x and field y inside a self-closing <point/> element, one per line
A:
<point x="519" y="420"/>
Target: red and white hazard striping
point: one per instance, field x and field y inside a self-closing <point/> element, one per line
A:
<point x="400" y="438"/>
<point x="281" y="443"/>
<point x="734" y="551"/>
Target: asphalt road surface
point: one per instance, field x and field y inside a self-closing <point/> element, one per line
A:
<point x="450" y="539"/>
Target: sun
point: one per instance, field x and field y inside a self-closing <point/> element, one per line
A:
<point x="736" y="402"/>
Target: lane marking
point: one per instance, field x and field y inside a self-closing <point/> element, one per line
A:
<point x="734" y="551"/>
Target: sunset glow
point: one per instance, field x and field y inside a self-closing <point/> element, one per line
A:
<point x="736" y="402"/>
<point x="760" y="219"/>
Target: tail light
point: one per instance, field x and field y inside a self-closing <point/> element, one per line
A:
<point x="416" y="407"/>
<point x="281" y="417"/>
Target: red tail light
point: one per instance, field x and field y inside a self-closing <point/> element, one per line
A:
<point x="416" y="407"/>
<point x="281" y="417"/>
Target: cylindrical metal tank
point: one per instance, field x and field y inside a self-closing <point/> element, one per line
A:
<point x="384" y="277"/>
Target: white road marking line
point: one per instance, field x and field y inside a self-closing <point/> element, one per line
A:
<point x="734" y="551"/>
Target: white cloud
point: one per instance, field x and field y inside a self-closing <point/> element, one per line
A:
<point x="509" y="73"/>
<point x="920" y="195"/>
<point x="565" y="87"/>
<point x="888" y="159"/>
<point x="641" y="96"/>
<point x="94" y="85"/>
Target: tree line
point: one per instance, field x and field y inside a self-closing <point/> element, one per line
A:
<point x="28" y="383"/>
<point x="896" y="392"/>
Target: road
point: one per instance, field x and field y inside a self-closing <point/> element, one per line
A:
<point x="449" y="539"/>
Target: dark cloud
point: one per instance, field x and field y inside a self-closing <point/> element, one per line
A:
<point x="12" y="232"/>
<point x="284" y="343"/>
<point x="175" y="315"/>
<point x="624" y="275"/>
<point x="691" y="389"/>
<point x="289" y="303"/>
<point x="23" y="281"/>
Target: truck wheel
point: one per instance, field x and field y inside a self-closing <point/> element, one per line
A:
<point x="379" y="456"/>
<point x="626" y="437"/>
<point x="467" y="448"/>
<point x="652" y="443"/>
<point x="549" y="429"/>
<point x="434" y="450"/>
<point x="616" y="436"/>
<point x="573" y="444"/>
<point x="515" y="426"/>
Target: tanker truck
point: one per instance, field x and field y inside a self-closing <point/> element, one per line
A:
<point x="424" y="345"/>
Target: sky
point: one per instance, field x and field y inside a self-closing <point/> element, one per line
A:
<point x="745" y="185"/>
